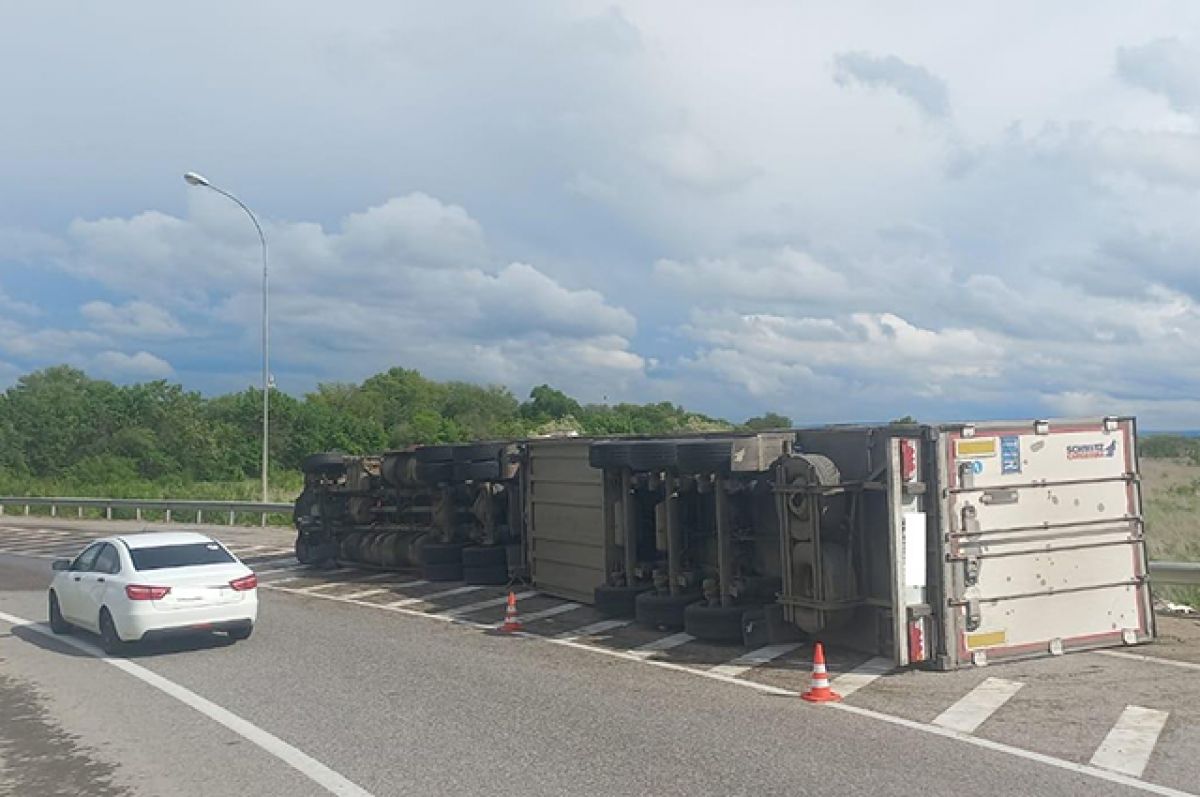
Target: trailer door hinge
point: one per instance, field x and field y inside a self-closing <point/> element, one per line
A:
<point x="971" y="565"/>
<point x="974" y="618"/>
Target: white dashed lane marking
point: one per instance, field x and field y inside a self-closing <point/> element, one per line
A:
<point x="1128" y="746"/>
<point x="487" y="604"/>
<point x="754" y="658"/>
<point x="443" y="594"/>
<point x="848" y="683"/>
<point x="973" y="708"/>
<point x="659" y="645"/>
<point x="593" y="629"/>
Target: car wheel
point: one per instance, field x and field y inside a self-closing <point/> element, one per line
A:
<point x="109" y="639"/>
<point x="238" y="634"/>
<point x="58" y="623"/>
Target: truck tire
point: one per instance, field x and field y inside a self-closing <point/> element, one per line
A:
<point x="662" y="611"/>
<point x="704" y="456"/>
<point x="609" y="454"/>
<point x="719" y="624"/>
<point x="435" y="472"/>
<point x="474" y="452"/>
<point x="441" y="553"/>
<point x="452" y="571"/>
<point x="315" y="554"/>
<point x="485" y="556"/>
<point x="617" y="601"/>
<point x="330" y="462"/>
<point x="491" y="574"/>
<point x="435" y="454"/>
<point x="485" y="471"/>
<point x="652" y="455"/>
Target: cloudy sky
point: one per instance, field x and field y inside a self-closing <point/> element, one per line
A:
<point x="946" y="210"/>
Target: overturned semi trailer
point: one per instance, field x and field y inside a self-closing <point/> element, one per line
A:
<point x="941" y="545"/>
<point x="455" y="512"/>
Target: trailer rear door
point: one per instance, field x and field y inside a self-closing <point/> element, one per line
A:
<point x="1044" y="539"/>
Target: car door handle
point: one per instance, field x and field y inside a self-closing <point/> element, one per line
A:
<point x="101" y="579"/>
<point x="76" y="578"/>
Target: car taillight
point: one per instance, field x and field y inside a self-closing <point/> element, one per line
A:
<point x="245" y="582"/>
<point x="139" y="592"/>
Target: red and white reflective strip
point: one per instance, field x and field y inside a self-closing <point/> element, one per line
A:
<point x="820" y="676"/>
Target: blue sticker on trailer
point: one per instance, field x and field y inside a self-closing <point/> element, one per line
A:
<point x="1010" y="454"/>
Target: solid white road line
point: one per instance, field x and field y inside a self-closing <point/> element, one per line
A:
<point x="1128" y="746"/>
<point x="444" y="594"/>
<point x="1120" y="654"/>
<point x="754" y="658"/>
<point x="591" y="630"/>
<point x="298" y="760"/>
<point x="973" y="709"/>
<point x="850" y="682"/>
<point x="487" y="604"/>
<point x="659" y="645"/>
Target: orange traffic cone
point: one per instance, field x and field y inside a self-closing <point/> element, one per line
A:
<point x="511" y="623"/>
<point x="818" y="690"/>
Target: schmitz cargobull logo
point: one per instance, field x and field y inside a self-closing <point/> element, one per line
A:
<point x="1092" y="451"/>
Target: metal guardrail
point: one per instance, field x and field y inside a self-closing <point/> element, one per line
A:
<point x="1181" y="573"/>
<point x="166" y="505"/>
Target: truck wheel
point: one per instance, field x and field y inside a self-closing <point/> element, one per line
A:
<point x="704" y="456"/>
<point x="435" y="472"/>
<point x="662" y="611"/>
<point x="491" y="574"/>
<point x="323" y="463"/>
<point x="441" y="553"/>
<point x="428" y="454"/>
<point x="452" y="571"/>
<point x="485" y="556"/>
<point x="720" y="624"/>
<point x="617" y="601"/>
<point x="485" y="471"/>
<point x="609" y="454"/>
<point x="58" y="624"/>
<point x="652" y="455"/>
<point x="476" y="452"/>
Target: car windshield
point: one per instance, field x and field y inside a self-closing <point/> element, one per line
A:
<point x="164" y="556"/>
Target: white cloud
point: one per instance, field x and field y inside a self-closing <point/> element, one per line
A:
<point x="925" y="89"/>
<point x="786" y="274"/>
<point x="132" y="320"/>
<point x="1167" y="66"/>
<point x="140" y="365"/>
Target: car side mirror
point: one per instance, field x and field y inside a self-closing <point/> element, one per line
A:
<point x="60" y="564"/>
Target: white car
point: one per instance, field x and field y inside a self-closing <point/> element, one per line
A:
<point x="143" y="586"/>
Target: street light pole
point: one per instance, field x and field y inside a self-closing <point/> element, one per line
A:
<point x="195" y="179"/>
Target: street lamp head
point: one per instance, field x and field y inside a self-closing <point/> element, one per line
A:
<point x="196" y="179"/>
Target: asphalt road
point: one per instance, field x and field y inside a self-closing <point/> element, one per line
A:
<point x="399" y="703"/>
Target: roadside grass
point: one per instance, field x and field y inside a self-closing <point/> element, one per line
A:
<point x="1171" y="502"/>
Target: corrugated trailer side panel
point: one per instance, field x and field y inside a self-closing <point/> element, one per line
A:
<point x="566" y="517"/>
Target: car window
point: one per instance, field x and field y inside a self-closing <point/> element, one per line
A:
<point x="164" y="556"/>
<point x="85" y="560"/>
<point x="108" y="561"/>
